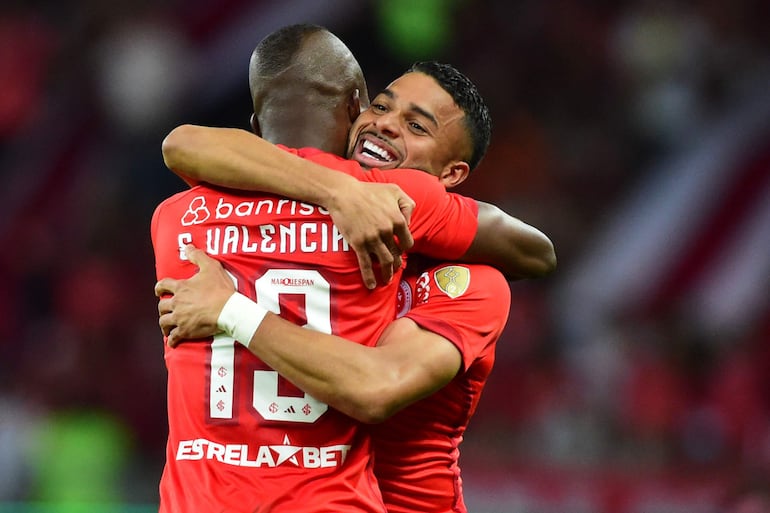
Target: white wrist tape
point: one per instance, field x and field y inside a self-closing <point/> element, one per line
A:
<point x="240" y="318"/>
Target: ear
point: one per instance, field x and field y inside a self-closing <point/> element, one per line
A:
<point x="354" y="105"/>
<point x="255" y="124"/>
<point x="454" y="174"/>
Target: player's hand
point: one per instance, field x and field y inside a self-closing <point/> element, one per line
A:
<point x="189" y="309"/>
<point x="374" y="219"/>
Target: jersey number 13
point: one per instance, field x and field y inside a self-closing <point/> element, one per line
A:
<point x="265" y="399"/>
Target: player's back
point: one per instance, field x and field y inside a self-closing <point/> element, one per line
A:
<point x="248" y="439"/>
<point x="235" y="426"/>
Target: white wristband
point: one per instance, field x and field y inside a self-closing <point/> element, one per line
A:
<point x="240" y="318"/>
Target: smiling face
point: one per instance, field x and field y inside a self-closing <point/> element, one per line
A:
<point x="413" y="123"/>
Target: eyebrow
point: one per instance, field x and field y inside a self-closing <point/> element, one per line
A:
<point x="412" y="107"/>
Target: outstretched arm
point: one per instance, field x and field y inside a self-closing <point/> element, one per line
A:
<point x="367" y="383"/>
<point x="239" y="159"/>
<point x="235" y="158"/>
<point x="373" y="218"/>
<point x="517" y="249"/>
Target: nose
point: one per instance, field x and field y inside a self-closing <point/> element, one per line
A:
<point x="387" y="124"/>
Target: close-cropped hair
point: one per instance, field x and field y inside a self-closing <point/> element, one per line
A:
<point x="277" y="50"/>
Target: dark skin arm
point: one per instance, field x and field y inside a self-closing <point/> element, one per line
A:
<point x="517" y="249"/>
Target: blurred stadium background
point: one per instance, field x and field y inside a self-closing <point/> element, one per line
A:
<point x="635" y="133"/>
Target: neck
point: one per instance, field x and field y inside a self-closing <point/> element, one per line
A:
<point x="302" y="138"/>
<point x="315" y="128"/>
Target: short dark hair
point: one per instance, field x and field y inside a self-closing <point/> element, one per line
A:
<point x="277" y="50"/>
<point x="465" y="94"/>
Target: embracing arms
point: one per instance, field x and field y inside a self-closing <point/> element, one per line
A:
<point x="239" y="159"/>
<point x="367" y="383"/>
<point x="373" y="218"/>
<point x="517" y="249"/>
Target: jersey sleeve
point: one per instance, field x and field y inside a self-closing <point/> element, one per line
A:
<point x="443" y="224"/>
<point x="466" y="304"/>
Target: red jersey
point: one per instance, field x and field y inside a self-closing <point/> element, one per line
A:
<point x="241" y="438"/>
<point x="416" y="451"/>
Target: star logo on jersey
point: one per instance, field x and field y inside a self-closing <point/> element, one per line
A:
<point x="453" y="280"/>
<point x="197" y="212"/>
<point x="285" y="452"/>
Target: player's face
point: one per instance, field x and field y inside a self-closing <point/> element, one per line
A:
<point x="413" y="123"/>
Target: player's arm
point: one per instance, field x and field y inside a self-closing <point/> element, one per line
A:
<point x="367" y="383"/>
<point x="516" y="248"/>
<point x="239" y="159"/>
<point x="373" y="218"/>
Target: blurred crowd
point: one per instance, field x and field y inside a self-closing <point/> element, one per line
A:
<point x="634" y="363"/>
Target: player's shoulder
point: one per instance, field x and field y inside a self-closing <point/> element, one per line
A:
<point x="477" y="281"/>
<point x="419" y="185"/>
<point x="182" y="196"/>
<point x="172" y="200"/>
<point x="464" y="289"/>
<point x="405" y="176"/>
<point x="330" y="160"/>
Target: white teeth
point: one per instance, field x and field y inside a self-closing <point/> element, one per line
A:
<point x="373" y="148"/>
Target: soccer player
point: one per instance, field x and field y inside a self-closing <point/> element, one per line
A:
<point x="450" y="317"/>
<point x="234" y="428"/>
<point x="447" y="337"/>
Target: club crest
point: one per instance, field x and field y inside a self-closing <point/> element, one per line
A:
<point x="453" y="280"/>
<point x="403" y="299"/>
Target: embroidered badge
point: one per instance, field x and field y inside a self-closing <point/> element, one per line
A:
<point x="453" y="280"/>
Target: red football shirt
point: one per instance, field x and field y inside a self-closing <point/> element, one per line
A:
<point x="416" y="450"/>
<point x="241" y="438"/>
